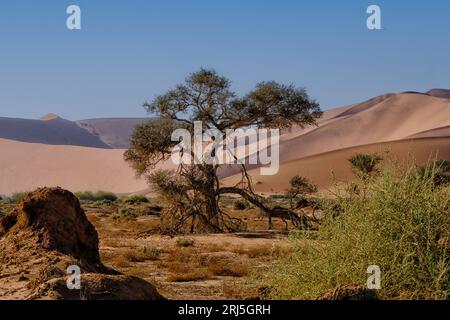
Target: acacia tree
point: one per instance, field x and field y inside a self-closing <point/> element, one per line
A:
<point x="193" y="191"/>
<point x="300" y="187"/>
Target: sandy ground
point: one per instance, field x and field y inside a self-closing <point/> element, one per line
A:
<point x="214" y="266"/>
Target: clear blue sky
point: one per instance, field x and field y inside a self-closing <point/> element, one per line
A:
<point x="129" y="51"/>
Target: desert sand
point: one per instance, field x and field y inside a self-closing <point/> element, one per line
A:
<point x="321" y="168"/>
<point x="26" y="166"/>
<point x="387" y="122"/>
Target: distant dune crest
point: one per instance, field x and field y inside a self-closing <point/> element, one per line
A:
<point x="49" y="117"/>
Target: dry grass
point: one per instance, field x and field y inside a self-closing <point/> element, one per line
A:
<point x="142" y="254"/>
<point x="194" y="275"/>
<point x="188" y="264"/>
<point x="125" y="258"/>
<point x="185" y="242"/>
<point x="184" y="266"/>
<point x="267" y="251"/>
<point x="227" y="269"/>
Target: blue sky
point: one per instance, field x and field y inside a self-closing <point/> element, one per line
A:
<point x="130" y="51"/>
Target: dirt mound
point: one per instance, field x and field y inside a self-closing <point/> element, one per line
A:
<point x="56" y="215"/>
<point x="351" y="292"/>
<point x="48" y="232"/>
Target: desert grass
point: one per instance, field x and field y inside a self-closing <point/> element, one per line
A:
<point x="185" y="242"/>
<point x="187" y="264"/>
<point x="399" y="221"/>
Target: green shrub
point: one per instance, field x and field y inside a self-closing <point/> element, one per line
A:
<point x="85" y="195"/>
<point x="125" y="214"/>
<point x="102" y="195"/>
<point x="103" y="203"/>
<point x="134" y="199"/>
<point x="365" y="163"/>
<point x="98" y="196"/>
<point x="15" y="198"/>
<point x="401" y="223"/>
<point x="442" y="176"/>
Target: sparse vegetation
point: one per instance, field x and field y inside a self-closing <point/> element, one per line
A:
<point x="142" y="254"/>
<point x="15" y="198"/>
<point x="401" y="223"/>
<point x="134" y="199"/>
<point x="97" y="196"/>
<point x="103" y="203"/>
<point x="187" y="265"/>
<point x="442" y="175"/>
<point x="365" y="164"/>
<point x="125" y="214"/>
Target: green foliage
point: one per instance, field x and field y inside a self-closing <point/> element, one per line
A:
<point x="97" y="196"/>
<point x="15" y="198"/>
<point x="400" y="223"/>
<point x="365" y="163"/>
<point x="103" y="203"/>
<point x="134" y="199"/>
<point x="442" y="168"/>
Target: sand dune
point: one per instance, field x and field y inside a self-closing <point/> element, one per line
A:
<point x="394" y="118"/>
<point x="50" y="130"/>
<point x="115" y="132"/>
<point x="320" y="168"/>
<point x="439" y="93"/>
<point x="57" y="152"/>
<point x="26" y="166"/>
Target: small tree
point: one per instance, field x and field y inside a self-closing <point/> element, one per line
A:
<point x="194" y="191"/>
<point x="364" y="164"/>
<point x="300" y="187"/>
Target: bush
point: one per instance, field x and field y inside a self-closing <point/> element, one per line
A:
<point x="134" y="199"/>
<point x="15" y="198"/>
<point x="125" y="214"/>
<point x="102" y="195"/>
<point x="103" y="203"/>
<point x="365" y="163"/>
<point x="98" y="196"/>
<point x="442" y="176"/>
<point x="240" y="205"/>
<point x="400" y="223"/>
